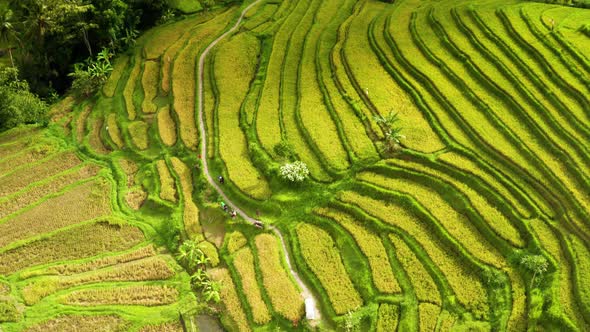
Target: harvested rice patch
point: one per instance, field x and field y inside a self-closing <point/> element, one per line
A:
<point x="75" y="243"/>
<point x="81" y="123"/>
<point x="80" y="323"/>
<point x="166" y="327"/>
<point x="16" y="202"/>
<point x="84" y="202"/>
<point x="284" y="295"/>
<point x="323" y="258"/>
<point x="151" y="268"/>
<point x="94" y="137"/>
<point x="244" y="264"/>
<point x="9" y="149"/>
<point x="69" y="269"/>
<point x="111" y="85"/>
<point x="17" y="133"/>
<point x="167" y="184"/>
<point x="135" y="198"/>
<point x="144" y="295"/>
<point x="130" y="168"/>
<point x="26" y="157"/>
<point x="191" y="211"/>
<point x="18" y="180"/>
<point x="149" y="82"/>
<point x="59" y="109"/>
<point x="166" y="126"/>
<point x="230" y="299"/>
<point x="138" y="133"/>
<point x="114" y="131"/>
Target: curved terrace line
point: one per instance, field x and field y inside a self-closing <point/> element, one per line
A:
<point x="306" y="293"/>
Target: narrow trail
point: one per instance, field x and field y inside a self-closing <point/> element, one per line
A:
<point x="306" y="293"/>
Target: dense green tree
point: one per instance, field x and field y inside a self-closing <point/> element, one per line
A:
<point x="17" y="104"/>
<point x="7" y="30"/>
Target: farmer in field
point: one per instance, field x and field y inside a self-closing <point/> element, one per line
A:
<point x="220" y="179"/>
<point x="224" y="206"/>
<point x="234" y="214"/>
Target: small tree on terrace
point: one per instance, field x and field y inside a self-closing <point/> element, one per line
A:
<point x="392" y="133"/>
<point x="535" y="263"/>
<point x="190" y="254"/>
<point x="294" y="172"/>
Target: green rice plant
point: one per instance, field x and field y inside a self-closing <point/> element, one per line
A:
<point x="23" y="177"/>
<point x="84" y="202"/>
<point x="150" y="81"/>
<point x="68" y="269"/>
<point x="166" y="126"/>
<point x="81" y="323"/>
<point x="243" y="261"/>
<point x="130" y="87"/>
<point x="447" y="320"/>
<point x="138" y="132"/>
<point x="497" y="221"/>
<point x="464" y="281"/>
<point x="190" y="214"/>
<point x="581" y="259"/>
<point x="428" y="314"/>
<point x="151" y="268"/>
<point x="371" y="246"/>
<point x="74" y="243"/>
<point x="454" y="222"/>
<point x="388" y="317"/>
<point x="114" y="131"/>
<point x="565" y="292"/>
<point x="187" y="6"/>
<point x="380" y="88"/>
<point x="144" y="295"/>
<point x="13" y="203"/>
<point x="235" y="66"/>
<point x="235" y="240"/>
<point x="322" y="257"/>
<point x="110" y="86"/>
<point x="230" y="299"/>
<point x="284" y="296"/>
<point x="165" y="327"/>
<point x="184" y="82"/>
<point x="167" y="185"/>
<point x="422" y="282"/>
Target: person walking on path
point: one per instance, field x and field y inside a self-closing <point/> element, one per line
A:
<point x="220" y="179"/>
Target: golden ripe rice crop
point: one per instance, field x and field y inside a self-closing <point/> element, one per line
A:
<point x="322" y="257"/>
<point x="149" y="82"/>
<point x="167" y="183"/>
<point x="230" y="299"/>
<point x="138" y="132"/>
<point x="166" y="126"/>
<point x="144" y="295"/>
<point x="284" y="297"/>
<point x="81" y="323"/>
<point x="244" y="264"/>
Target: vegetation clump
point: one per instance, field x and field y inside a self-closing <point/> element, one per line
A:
<point x="294" y="172"/>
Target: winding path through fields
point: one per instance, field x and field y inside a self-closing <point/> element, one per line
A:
<point x="306" y="293"/>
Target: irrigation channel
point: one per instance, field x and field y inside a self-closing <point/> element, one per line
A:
<point x="305" y="292"/>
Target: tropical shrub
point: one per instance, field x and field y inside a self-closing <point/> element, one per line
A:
<point x="294" y="172"/>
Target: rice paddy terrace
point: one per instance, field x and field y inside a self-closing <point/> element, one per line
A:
<point x="493" y="97"/>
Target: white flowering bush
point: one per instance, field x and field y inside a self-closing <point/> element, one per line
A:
<point x="294" y="172"/>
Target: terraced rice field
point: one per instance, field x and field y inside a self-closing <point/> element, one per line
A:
<point x="493" y="99"/>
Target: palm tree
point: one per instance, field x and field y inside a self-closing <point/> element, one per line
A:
<point x="7" y="31"/>
<point x="211" y="291"/>
<point x="199" y="277"/>
<point x="392" y="134"/>
<point x="191" y="254"/>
